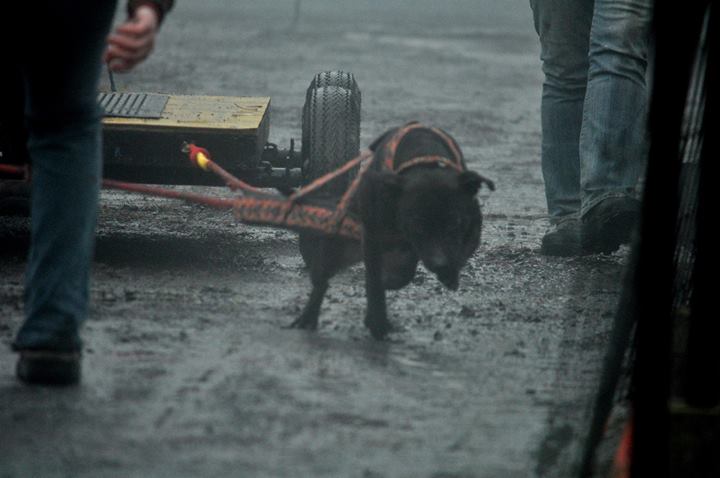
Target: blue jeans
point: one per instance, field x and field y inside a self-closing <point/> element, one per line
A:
<point x="594" y="100"/>
<point x="60" y="69"/>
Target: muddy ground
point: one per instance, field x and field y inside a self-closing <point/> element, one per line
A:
<point x="188" y="370"/>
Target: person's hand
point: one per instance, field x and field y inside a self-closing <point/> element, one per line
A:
<point x="132" y="41"/>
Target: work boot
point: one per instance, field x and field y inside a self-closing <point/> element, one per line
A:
<point x="563" y="240"/>
<point x="609" y="224"/>
<point x="46" y="367"/>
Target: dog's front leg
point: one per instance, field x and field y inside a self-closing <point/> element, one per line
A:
<point x="376" y="316"/>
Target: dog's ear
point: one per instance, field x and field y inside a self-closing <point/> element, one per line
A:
<point x="470" y="181"/>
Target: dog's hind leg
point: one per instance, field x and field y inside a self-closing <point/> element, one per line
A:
<point x="376" y="316"/>
<point x="309" y="318"/>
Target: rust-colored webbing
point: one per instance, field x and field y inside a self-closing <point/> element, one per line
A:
<point x="434" y="159"/>
<point x="265" y="208"/>
<point x="389" y="151"/>
<point x="323" y="180"/>
<point x="343" y="205"/>
<point x="391" y="146"/>
<point x="300" y="217"/>
<point x="451" y="144"/>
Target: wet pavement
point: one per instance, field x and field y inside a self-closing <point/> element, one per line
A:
<point x="188" y="368"/>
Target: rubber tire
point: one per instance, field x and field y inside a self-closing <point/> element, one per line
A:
<point x="326" y="79"/>
<point x="331" y="137"/>
<point x="341" y="79"/>
<point x="331" y="127"/>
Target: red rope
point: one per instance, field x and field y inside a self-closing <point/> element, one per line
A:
<point x="207" y="163"/>
<point x="217" y="203"/>
<point x="622" y="463"/>
<point x="12" y="169"/>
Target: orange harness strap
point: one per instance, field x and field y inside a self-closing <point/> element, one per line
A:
<point x="389" y="151"/>
<point x="262" y="207"/>
<point x="438" y="160"/>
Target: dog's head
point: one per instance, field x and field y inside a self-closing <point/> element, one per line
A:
<point x="437" y="212"/>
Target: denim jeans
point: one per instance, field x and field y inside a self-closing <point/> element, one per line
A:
<point x="60" y="68"/>
<point x="594" y="100"/>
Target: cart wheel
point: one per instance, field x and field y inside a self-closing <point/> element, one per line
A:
<point x="324" y="79"/>
<point x="330" y="135"/>
<point x="331" y="132"/>
<point x="342" y="79"/>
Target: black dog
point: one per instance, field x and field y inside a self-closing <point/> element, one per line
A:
<point x="417" y="202"/>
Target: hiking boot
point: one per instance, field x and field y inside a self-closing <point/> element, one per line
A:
<point x="47" y="367"/>
<point x="563" y="240"/>
<point x="609" y="224"/>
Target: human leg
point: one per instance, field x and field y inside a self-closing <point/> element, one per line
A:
<point x="564" y="28"/>
<point x="62" y="119"/>
<point x="613" y="142"/>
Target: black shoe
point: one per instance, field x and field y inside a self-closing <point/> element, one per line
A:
<point x="609" y="224"/>
<point x="46" y="367"/>
<point x="563" y="241"/>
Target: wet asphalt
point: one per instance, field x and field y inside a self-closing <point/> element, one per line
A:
<point x="188" y="369"/>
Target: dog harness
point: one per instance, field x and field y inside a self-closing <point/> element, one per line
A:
<point x="298" y="212"/>
<point x="301" y="210"/>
